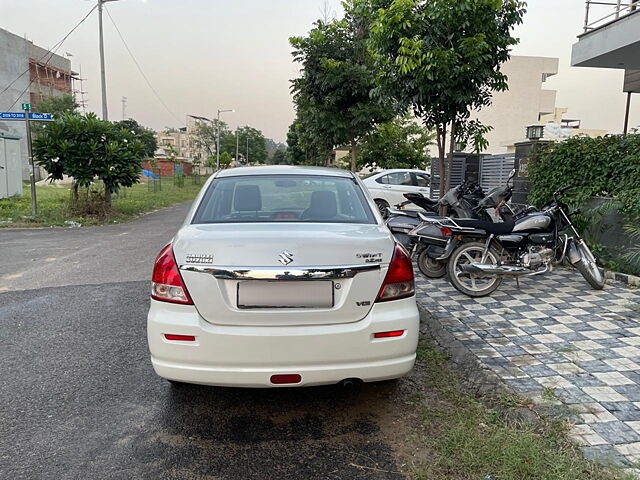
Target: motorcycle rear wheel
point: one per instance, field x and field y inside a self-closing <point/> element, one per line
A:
<point x="472" y="285"/>
<point x="430" y="267"/>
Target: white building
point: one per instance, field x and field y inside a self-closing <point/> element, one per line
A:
<point x="523" y="104"/>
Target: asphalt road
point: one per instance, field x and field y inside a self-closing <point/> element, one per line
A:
<point x="79" y="398"/>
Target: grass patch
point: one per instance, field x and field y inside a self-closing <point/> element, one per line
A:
<point x="470" y="440"/>
<point x="54" y="204"/>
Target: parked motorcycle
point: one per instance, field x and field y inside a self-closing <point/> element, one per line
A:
<point x="401" y="221"/>
<point x="461" y="199"/>
<point x="483" y="253"/>
<point x="428" y="240"/>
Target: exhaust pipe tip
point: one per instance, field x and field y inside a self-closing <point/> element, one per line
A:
<point x="350" y="383"/>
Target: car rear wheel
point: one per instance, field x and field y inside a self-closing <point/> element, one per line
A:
<point x="382" y="207"/>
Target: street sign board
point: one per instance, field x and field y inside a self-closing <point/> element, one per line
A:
<point x="41" y="116"/>
<point x="11" y="115"/>
<point x="26" y="106"/>
<point x="21" y="116"/>
<point x="631" y="81"/>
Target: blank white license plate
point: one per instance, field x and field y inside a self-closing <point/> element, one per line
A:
<point x="285" y="294"/>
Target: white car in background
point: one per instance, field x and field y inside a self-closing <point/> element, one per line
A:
<point x="282" y="276"/>
<point x="388" y="186"/>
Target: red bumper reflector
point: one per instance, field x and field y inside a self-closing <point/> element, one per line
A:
<point x="182" y="338"/>
<point x="394" y="333"/>
<point x="289" y="378"/>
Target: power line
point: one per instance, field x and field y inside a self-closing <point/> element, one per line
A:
<point x="140" y="68"/>
<point x="51" y="53"/>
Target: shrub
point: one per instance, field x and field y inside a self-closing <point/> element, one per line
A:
<point x="605" y="166"/>
<point x="87" y="148"/>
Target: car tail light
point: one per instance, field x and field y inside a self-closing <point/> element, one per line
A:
<point x="180" y="338"/>
<point x="167" y="282"/>
<point x="398" y="283"/>
<point x="286" y="378"/>
<point x="446" y="231"/>
<point x="393" y="333"/>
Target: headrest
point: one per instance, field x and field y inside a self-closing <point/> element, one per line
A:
<point x="247" y="198"/>
<point x="323" y="205"/>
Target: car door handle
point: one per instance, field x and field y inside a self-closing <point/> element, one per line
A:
<point x="423" y="189"/>
<point x="386" y="186"/>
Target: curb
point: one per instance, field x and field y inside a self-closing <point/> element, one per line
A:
<point x="475" y="376"/>
<point x="622" y="277"/>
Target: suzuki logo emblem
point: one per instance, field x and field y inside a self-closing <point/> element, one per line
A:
<point x="285" y="257"/>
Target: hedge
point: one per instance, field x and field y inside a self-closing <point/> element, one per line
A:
<point x="606" y="166"/>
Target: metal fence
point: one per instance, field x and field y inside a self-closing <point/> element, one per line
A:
<point x="599" y="13"/>
<point x="495" y="169"/>
<point x="457" y="177"/>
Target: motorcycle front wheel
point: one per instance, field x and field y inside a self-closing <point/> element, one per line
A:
<point x="430" y="267"/>
<point x="588" y="268"/>
<point x="473" y="285"/>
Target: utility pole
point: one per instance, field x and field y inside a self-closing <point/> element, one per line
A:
<point x="124" y="108"/>
<point x="626" y="114"/>
<point x="105" y="113"/>
<point x="236" y="146"/>
<point x="218" y="137"/>
<point x="32" y="179"/>
<point x="247" y="148"/>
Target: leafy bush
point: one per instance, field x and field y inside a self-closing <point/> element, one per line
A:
<point x="85" y="148"/>
<point x="605" y="166"/>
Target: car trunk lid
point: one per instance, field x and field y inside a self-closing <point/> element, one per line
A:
<point x="281" y="273"/>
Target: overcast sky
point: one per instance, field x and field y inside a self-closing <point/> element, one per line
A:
<point x="201" y="55"/>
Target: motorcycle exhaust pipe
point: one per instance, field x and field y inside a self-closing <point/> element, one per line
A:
<point x="505" y="270"/>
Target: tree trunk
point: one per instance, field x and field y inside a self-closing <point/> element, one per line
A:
<point x="107" y="198"/>
<point x="74" y="192"/>
<point x="354" y="151"/>
<point x="452" y="146"/>
<point x="441" y="134"/>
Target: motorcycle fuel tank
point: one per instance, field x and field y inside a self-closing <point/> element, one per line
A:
<point x="532" y="223"/>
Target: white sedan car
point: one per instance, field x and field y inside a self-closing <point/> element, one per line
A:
<point x="282" y="276"/>
<point x="388" y="187"/>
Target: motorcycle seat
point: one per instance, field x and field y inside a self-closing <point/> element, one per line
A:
<point x="420" y="197"/>
<point x="499" y="228"/>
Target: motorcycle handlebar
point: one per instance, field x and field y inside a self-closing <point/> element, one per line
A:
<point x="562" y="190"/>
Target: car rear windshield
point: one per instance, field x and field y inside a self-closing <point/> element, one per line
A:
<point x="284" y="198"/>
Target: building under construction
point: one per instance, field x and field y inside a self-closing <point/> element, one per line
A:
<point x="28" y="74"/>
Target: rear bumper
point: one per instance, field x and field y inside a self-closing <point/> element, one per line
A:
<point x="248" y="356"/>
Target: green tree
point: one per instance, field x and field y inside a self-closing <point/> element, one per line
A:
<point x="58" y="104"/>
<point x="257" y="150"/>
<point x="442" y="58"/>
<point x="206" y="135"/>
<point x="305" y="148"/>
<point x="279" y="157"/>
<point x="85" y="148"/>
<point x="399" y="143"/>
<point x="225" y="159"/>
<point x="145" y="135"/>
<point x="333" y="95"/>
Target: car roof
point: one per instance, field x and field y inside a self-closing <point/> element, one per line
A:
<point x="393" y="170"/>
<point x="283" y="170"/>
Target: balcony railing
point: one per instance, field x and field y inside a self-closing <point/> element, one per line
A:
<point x="599" y="13"/>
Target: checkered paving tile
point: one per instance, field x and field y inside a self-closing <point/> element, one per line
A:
<point x="556" y="334"/>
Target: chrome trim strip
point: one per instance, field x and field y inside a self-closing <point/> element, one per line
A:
<point x="269" y="273"/>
